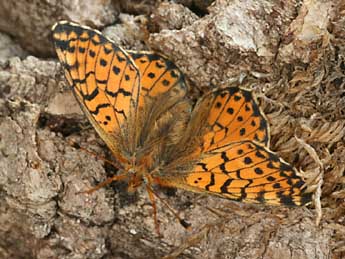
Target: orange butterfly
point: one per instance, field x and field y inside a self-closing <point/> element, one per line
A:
<point x="137" y="103"/>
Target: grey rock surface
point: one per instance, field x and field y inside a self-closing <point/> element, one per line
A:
<point x="30" y="21"/>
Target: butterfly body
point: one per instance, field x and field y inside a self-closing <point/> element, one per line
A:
<point x="137" y="103"/>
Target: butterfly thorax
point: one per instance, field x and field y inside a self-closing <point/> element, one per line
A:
<point x="135" y="179"/>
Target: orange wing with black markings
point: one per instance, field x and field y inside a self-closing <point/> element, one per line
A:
<point x="242" y="171"/>
<point x="103" y="77"/>
<point x="233" y="160"/>
<point x="245" y="171"/>
<point x="233" y="115"/>
<point x="112" y="84"/>
<point x="158" y="75"/>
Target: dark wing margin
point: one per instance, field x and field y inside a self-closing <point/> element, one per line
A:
<point x="104" y="79"/>
<point x="242" y="171"/>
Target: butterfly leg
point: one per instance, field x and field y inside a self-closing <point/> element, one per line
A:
<point x="154" y="206"/>
<point x="104" y="183"/>
<point x="183" y="222"/>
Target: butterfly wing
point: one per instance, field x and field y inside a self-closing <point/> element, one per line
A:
<point x="232" y="159"/>
<point x="242" y="171"/>
<point x="112" y="85"/>
<point x="103" y="77"/>
<point x="164" y="108"/>
<point x="229" y="115"/>
<point x="158" y="75"/>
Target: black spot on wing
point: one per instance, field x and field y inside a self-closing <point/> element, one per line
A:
<point x="103" y="62"/>
<point x="81" y="50"/>
<point x="247" y="160"/>
<point x="258" y="171"/>
<point x="92" y="53"/>
<point x="119" y="58"/>
<point x="116" y="70"/>
<point x="237" y="98"/>
<point x="242" y="131"/>
<point x="107" y="51"/>
<point x="71" y="49"/>
<point x="166" y="82"/>
<point x="230" y="110"/>
<point x="271" y="178"/>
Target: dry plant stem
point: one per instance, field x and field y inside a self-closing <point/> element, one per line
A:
<point x="318" y="192"/>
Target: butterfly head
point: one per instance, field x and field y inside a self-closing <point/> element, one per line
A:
<point x="138" y="176"/>
<point x="135" y="179"/>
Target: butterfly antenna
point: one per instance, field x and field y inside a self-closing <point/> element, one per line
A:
<point x="104" y="183"/>
<point x="108" y="180"/>
<point x="113" y="163"/>
<point x="183" y="222"/>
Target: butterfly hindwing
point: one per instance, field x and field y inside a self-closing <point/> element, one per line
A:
<point x="162" y="101"/>
<point x="246" y="171"/>
<point x="242" y="171"/>
<point x="232" y="115"/>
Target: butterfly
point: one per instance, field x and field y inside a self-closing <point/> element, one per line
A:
<point x="137" y="102"/>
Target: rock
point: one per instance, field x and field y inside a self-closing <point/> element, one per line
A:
<point x="171" y="16"/>
<point x="30" y="21"/>
<point x="9" y="49"/>
<point x="307" y="32"/>
<point x="236" y="37"/>
<point x="130" y="32"/>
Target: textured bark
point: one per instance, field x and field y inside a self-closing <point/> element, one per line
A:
<point x="291" y="52"/>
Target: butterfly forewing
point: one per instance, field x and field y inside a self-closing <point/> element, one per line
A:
<point x="164" y="108"/>
<point x="103" y="77"/>
<point x="158" y="76"/>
